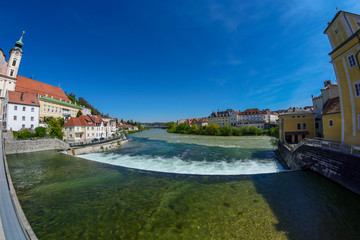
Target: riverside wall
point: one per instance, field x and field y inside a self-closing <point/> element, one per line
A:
<point x="341" y="167"/>
<point x="26" y="146"/>
<point x="100" y="147"/>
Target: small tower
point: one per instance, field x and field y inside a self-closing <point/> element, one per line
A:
<point x="15" y="58"/>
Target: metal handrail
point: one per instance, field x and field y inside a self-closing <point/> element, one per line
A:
<point x="97" y="142"/>
<point x="332" y="144"/>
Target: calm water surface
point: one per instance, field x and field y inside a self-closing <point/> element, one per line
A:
<point x="65" y="197"/>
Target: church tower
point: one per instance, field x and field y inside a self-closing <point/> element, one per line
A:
<point x="15" y="58"/>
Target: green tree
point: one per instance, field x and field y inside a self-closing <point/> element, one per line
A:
<point x="226" y="131"/>
<point x="274" y="132"/>
<point x="79" y="113"/>
<point x="237" y="132"/>
<point x="212" y="129"/>
<point x="54" y="128"/>
<point x="25" y="134"/>
<point x="195" y="129"/>
<point x="40" y="131"/>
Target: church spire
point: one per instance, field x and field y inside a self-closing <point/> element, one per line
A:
<point x="19" y="43"/>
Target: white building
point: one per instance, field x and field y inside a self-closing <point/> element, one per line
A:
<point x="85" y="111"/>
<point x="9" y="70"/>
<point x="20" y="111"/>
<point x="110" y="126"/>
<point x="257" y="118"/>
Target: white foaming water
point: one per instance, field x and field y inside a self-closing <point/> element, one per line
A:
<point x="177" y="165"/>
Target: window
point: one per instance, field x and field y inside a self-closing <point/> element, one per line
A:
<point x="11" y="73"/>
<point x="299" y="126"/>
<point x="32" y="109"/>
<point x="14" y="63"/>
<point x="48" y="108"/>
<point x="23" y="126"/>
<point x="15" y="108"/>
<point x="70" y="135"/>
<point x="352" y="62"/>
<point x="92" y="128"/>
<point x="357" y="88"/>
<point x="15" y="118"/>
<point x="304" y="126"/>
<point x="331" y="123"/>
<point x="94" y="134"/>
<point x="32" y="119"/>
<point x="44" y="108"/>
<point x="56" y="109"/>
<point x="52" y="109"/>
<point x="24" y="109"/>
<point x="23" y="118"/>
<point x="32" y="126"/>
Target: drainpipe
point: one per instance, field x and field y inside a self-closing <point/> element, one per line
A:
<point x="357" y="53"/>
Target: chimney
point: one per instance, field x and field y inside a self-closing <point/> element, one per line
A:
<point x="21" y="97"/>
<point x="327" y="83"/>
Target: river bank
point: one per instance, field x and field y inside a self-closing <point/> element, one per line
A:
<point x="66" y="197"/>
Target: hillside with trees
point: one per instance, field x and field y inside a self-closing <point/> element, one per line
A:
<point x="81" y="101"/>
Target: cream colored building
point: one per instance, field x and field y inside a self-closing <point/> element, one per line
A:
<point x="51" y="107"/>
<point x="79" y="129"/>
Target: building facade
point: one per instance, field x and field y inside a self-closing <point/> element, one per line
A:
<point x="344" y="36"/>
<point x="51" y="107"/>
<point x="9" y="70"/>
<point x="79" y="129"/>
<point x="222" y="118"/>
<point x="20" y="111"/>
<point x="257" y="118"/>
<point x="329" y="91"/>
<point x="296" y="124"/>
<point x="331" y="119"/>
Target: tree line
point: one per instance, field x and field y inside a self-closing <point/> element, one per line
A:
<point x="215" y="130"/>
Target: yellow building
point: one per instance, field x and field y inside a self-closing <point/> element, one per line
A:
<point x="51" y="107"/>
<point x="331" y="119"/>
<point x="79" y="129"/>
<point x="296" y="124"/>
<point x="344" y="36"/>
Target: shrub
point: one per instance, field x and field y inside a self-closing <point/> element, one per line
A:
<point x="25" y="134"/>
<point x="40" y="131"/>
<point x="15" y="134"/>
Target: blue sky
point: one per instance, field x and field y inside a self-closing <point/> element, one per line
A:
<point x="166" y="60"/>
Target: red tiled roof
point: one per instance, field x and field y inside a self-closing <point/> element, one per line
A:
<point x="83" y="120"/>
<point x="23" y="98"/>
<point x="332" y="106"/>
<point x="28" y="85"/>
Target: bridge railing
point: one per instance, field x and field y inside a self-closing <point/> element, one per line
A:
<point x="327" y="143"/>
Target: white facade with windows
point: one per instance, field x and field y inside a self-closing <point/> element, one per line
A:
<point x="18" y="116"/>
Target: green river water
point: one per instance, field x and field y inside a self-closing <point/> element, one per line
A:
<point x="169" y="186"/>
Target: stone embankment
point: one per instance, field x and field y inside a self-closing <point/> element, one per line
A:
<point x="26" y="146"/>
<point x="100" y="147"/>
<point x="341" y="167"/>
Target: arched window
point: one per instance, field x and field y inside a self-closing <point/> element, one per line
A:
<point x="11" y="72"/>
<point x="14" y="62"/>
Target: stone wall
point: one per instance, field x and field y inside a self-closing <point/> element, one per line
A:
<point x="101" y="147"/>
<point x="341" y="167"/>
<point x="25" y="146"/>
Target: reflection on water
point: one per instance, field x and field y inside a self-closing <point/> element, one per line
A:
<point x="72" y="198"/>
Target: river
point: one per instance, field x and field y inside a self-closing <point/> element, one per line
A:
<point x="170" y="186"/>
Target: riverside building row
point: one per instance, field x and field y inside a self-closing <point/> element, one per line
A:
<point x="250" y="117"/>
<point x="336" y="111"/>
<point x="17" y="111"/>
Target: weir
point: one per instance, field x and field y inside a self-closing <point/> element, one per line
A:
<point x="13" y="222"/>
